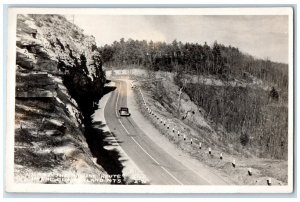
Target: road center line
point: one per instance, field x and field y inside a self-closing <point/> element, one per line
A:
<point x="171" y="175"/>
<point x="157" y="162"/>
<point x="117" y="111"/>
<point x="145" y="151"/>
<point x="123" y="126"/>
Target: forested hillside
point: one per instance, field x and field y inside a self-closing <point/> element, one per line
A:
<point x="225" y="62"/>
<point x="255" y="118"/>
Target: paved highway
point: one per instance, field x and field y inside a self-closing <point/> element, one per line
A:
<point x="158" y="165"/>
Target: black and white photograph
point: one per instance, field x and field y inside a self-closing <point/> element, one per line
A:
<point x="145" y="100"/>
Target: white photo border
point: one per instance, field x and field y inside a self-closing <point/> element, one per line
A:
<point x="47" y="188"/>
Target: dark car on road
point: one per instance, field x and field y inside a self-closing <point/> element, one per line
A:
<point x="124" y="111"/>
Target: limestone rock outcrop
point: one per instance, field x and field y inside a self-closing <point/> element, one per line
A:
<point x="58" y="68"/>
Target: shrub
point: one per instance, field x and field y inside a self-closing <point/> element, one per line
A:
<point x="244" y="138"/>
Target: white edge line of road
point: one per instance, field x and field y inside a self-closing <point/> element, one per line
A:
<point x="170" y="174"/>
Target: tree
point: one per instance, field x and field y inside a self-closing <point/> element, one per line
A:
<point x="244" y="138"/>
<point x="217" y="59"/>
<point x="274" y="94"/>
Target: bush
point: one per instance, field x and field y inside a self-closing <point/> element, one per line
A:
<point x="274" y="94"/>
<point x="244" y="138"/>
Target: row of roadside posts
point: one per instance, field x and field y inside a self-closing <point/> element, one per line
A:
<point x="162" y="121"/>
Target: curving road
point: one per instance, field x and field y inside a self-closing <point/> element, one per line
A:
<point x="158" y="165"/>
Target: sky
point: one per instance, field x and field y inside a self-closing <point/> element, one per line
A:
<point x="260" y="36"/>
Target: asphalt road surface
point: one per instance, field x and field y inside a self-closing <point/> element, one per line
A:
<point x="158" y="165"/>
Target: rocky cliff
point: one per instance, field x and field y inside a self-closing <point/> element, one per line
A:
<point x="58" y="77"/>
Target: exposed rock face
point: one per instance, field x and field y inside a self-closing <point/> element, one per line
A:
<point x="58" y="70"/>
